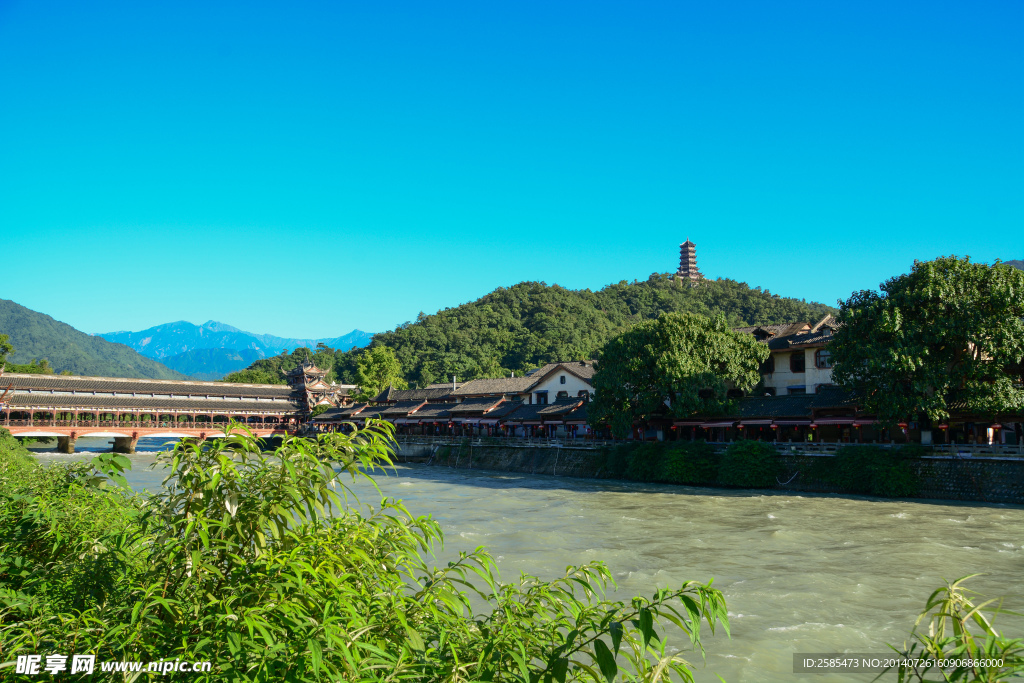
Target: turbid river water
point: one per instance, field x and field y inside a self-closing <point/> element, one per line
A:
<point x="801" y="573"/>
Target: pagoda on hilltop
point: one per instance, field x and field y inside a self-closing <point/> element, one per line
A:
<point x="688" y="263"/>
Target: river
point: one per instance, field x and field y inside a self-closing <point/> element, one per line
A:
<point x="801" y="573"/>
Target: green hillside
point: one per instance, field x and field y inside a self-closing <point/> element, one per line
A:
<point x="531" y="323"/>
<point x="37" y="336"/>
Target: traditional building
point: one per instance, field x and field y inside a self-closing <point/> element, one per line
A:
<point x="799" y="362"/>
<point x="536" y="404"/>
<point x="688" y="263"/>
<point x="310" y="380"/>
<point x="68" y="407"/>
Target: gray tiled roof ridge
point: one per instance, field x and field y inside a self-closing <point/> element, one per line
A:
<point x="142" y="380"/>
<point x="524" y="383"/>
<point x="89" y="402"/>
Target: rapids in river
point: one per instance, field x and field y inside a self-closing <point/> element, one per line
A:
<point x="801" y="573"/>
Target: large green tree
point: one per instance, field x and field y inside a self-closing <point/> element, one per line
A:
<point x="6" y="348"/>
<point x="684" y="360"/>
<point x="35" y="367"/>
<point x="377" y="368"/>
<point x="948" y="335"/>
<point x="272" y="370"/>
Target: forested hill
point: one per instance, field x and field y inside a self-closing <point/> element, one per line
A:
<point x="36" y="336"/>
<point x="531" y="323"/>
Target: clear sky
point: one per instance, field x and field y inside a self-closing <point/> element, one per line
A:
<point x="304" y="169"/>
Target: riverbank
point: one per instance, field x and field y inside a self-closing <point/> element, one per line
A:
<point x="937" y="477"/>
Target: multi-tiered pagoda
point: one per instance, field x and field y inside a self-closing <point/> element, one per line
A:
<point x="688" y="263"/>
<point x="311" y="379"/>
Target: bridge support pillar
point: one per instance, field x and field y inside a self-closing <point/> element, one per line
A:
<point x="66" y="444"/>
<point x="125" y="444"/>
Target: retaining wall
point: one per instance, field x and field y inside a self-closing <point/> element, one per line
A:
<point x="993" y="480"/>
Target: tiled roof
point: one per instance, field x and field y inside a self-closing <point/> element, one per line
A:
<point x="476" y="405"/>
<point x="89" y="401"/>
<point x="504" y="409"/>
<point x="373" y="411"/>
<point x="819" y="338"/>
<point x="444" y="385"/>
<point x="579" y="414"/>
<point x="351" y="412"/>
<point x="122" y="385"/>
<point x="500" y="385"/>
<point x="402" y="408"/>
<point x="793" y="335"/>
<point x="330" y="415"/>
<point x="384" y="396"/>
<point x="774" y="330"/>
<point x="434" y="411"/>
<point x="797" y="406"/>
<point x="584" y="369"/>
<point x="525" y="411"/>
<point x="391" y="395"/>
<point x="538" y="411"/>
<point x="520" y="385"/>
<point x="353" y="409"/>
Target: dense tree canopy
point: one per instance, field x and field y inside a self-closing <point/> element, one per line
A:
<point x="376" y="370"/>
<point x="518" y="328"/>
<point x="947" y="336"/>
<point x="271" y="370"/>
<point x="684" y="359"/>
<point x="514" y="329"/>
<point x="34" y="367"/>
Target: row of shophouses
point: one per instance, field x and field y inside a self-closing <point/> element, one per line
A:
<point x="796" y="402"/>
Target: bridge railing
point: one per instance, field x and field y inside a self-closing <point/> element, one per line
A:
<point x="142" y="424"/>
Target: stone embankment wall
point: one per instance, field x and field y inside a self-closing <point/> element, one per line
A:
<point x="993" y="480"/>
<point x="560" y="462"/>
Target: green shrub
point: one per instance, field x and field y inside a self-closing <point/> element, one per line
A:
<point x="617" y="459"/>
<point x="645" y="461"/>
<point x="871" y="470"/>
<point x="749" y="464"/>
<point x="694" y="463"/>
<point x="954" y="629"/>
<point x="16" y="454"/>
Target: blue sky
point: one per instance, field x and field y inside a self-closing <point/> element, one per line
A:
<point x="304" y="169"/>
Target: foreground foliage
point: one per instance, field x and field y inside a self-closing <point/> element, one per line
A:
<point x="952" y="627"/>
<point x="265" y="564"/>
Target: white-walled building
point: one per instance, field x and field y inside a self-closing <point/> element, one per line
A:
<point x="799" y="362"/>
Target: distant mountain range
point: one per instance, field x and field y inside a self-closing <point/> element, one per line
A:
<point x="1019" y="265"/>
<point x="36" y="336"/>
<point x="213" y="349"/>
